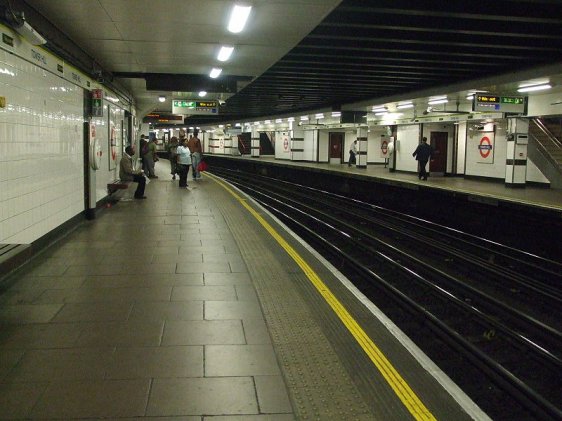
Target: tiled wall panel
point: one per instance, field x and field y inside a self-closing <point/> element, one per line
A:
<point x="41" y="151"/>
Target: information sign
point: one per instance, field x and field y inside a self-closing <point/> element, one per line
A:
<point x="193" y="107"/>
<point x="502" y="104"/>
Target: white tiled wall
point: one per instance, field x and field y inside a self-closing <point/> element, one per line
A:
<point x="41" y="151"/>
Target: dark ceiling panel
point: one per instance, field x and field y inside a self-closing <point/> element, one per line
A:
<point x="372" y="49"/>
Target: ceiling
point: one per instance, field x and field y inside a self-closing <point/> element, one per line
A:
<point x="305" y="55"/>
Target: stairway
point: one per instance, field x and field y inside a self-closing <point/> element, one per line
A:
<point x="545" y="148"/>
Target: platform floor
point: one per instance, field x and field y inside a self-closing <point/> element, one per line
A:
<point x="197" y="305"/>
<point x="530" y="195"/>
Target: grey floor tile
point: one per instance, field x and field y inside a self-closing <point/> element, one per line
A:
<point x="273" y="397"/>
<point x="203" y="332"/>
<point x="227" y="278"/>
<point x="156" y="362"/>
<point x="255" y="331"/>
<point x="203" y="268"/>
<point x="192" y="310"/>
<point x="246" y="293"/>
<point x="238" y="267"/>
<point x="240" y="360"/>
<point x="28" y="313"/>
<point x="211" y="396"/>
<point x="222" y="257"/>
<point x="204" y="293"/>
<point x="19" y="296"/>
<point x="38" y="366"/>
<point x="49" y="282"/>
<point x="136" y="281"/>
<point x="17" y="400"/>
<point x="106" y="295"/>
<point x="83" y="270"/>
<point x="107" y="398"/>
<point x="178" y="258"/>
<point x="8" y="360"/>
<point x="126" y="334"/>
<point x="39" y="335"/>
<point x="216" y="310"/>
<point x="93" y="312"/>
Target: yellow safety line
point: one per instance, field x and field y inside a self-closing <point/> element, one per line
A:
<point x="393" y="378"/>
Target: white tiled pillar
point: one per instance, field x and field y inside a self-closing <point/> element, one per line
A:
<point x="361" y="159"/>
<point x="516" y="157"/>
<point x="255" y="145"/>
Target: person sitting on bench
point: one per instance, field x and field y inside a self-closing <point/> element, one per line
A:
<point x="127" y="173"/>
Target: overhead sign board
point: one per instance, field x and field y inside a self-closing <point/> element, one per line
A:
<point x="502" y="104"/>
<point x="160" y="118"/>
<point x="194" y="107"/>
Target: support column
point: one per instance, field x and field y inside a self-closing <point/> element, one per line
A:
<point x="361" y="158"/>
<point x="255" y="144"/>
<point x="516" y="157"/>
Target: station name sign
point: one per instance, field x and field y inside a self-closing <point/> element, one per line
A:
<point x="502" y="104"/>
<point x="194" y="107"/>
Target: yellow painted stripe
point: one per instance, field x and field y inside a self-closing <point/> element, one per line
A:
<point x="410" y="400"/>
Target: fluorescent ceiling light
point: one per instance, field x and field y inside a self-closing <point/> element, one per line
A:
<point x="470" y="97"/>
<point x="534" y="88"/>
<point x="304" y="118"/>
<point x="256" y="123"/>
<point x="291" y="119"/>
<point x="161" y="98"/>
<point x="336" y="114"/>
<point x="215" y="72"/>
<point x="237" y="125"/>
<point x="379" y="109"/>
<point x="224" y="53"/>
<point x="382" y="113"/>
<point x="279" y="120"/>
<point x="238" y="18"/>
<point x="405" y="105"/>
<point x="438" y="101"/>
<point x="319" y="116"/>
<point x="202" y="93"/>
<point x="267" y="122"/>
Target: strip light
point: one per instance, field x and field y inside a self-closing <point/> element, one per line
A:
<point x="238" y="18"/>
<point x="215" y="72"/>
<point x="438" y="101"/>
<point x="225" y="53"/>
<point x="535" y="88"/>
<point x="404" y="106"/>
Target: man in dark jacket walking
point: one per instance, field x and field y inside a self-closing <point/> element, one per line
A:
<point x="422" y="155"/>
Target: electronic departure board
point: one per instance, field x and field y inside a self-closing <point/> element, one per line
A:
<point x="159" y="118"/>
<point x="191" y="107"/>
<point x="502" y="104"/>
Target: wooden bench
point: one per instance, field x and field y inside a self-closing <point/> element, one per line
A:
<point x="117" y="185"/>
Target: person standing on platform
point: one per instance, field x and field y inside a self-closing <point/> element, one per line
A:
<point x="422" y="154"/>
<point x="128" y="173"/>
<point x="184" y="162"/>
<point x="173" y="156"/>
<point x="143" y="147"/>
<point x="352" y="154"/>
<point x="151" y="158"/>
<point x="194" y="145"/>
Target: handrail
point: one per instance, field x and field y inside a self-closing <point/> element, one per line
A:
<point x="542" y="127"/>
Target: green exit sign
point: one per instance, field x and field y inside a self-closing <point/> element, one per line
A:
<point x="184" y="104"/>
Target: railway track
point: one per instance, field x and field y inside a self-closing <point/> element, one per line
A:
<point x="492" y="306"/>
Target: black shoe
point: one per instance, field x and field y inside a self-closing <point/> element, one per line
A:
<point x="140" y="197"/>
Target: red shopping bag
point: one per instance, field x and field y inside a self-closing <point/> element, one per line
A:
<point x="202" y="166"/>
